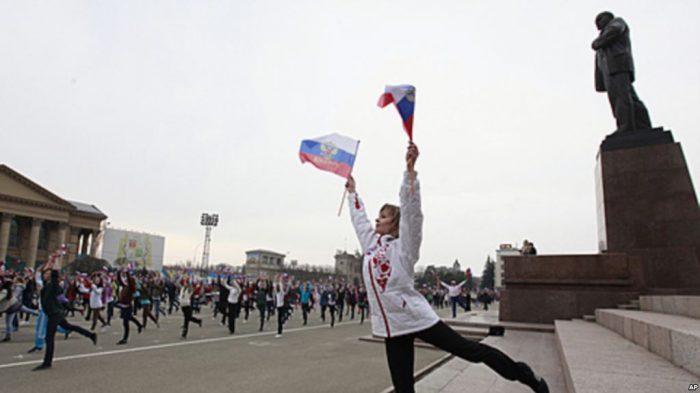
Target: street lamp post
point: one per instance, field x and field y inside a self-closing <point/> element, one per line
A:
<point x="208" y="221"/>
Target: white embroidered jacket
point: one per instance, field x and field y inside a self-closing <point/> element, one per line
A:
<point x="397" y="307"/>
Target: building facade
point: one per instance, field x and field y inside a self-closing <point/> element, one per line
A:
<point x="263" y="262"/>
<point x="34" y="222"/>
<point x="504" y="249"/>
<point x="349" y="266"/>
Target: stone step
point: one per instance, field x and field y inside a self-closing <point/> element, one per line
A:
<point x="589" y="318"/>
<point x="596" y="359"/>
<point x="420" y="374"/>
<point x="628" y="307"/>
<point x="673" y="337"/>
<point x="519" y="326"/>
<point x="537" y="349"/>
<point x="688" y="306"/>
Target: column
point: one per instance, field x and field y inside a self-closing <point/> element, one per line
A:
<point x="62" y="232"/>
<point x="5" y="223"/>
<point x="95" y="243"/>
<point x="33" y="241"/>
<point x="84" y="245"/>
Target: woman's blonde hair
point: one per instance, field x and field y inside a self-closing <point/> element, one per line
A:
<point x="395" y="213"/>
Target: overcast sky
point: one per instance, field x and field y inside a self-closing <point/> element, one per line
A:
<point x="157" y="111"/>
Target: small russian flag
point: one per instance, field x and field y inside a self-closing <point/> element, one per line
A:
<point x="332" y="153"/>
<point x="404" y="98"/>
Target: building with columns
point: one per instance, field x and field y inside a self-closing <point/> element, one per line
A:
<point x="34" y="222"/>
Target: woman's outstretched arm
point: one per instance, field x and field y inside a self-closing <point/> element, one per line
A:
<point x="358" y="215"/>
<point x="411" y="224"/>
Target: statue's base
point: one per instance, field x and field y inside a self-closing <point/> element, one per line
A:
<point x="636" y="138"/>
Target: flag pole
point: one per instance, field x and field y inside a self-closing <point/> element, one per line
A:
<point x="345" y="191"/>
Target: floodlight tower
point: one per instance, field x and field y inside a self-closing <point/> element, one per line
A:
<point x="208" y="222"/>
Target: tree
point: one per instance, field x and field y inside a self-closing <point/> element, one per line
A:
<point x="487" y="278"/>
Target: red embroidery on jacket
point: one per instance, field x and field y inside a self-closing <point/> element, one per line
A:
<point x="357" y="203"/>
<point x="382" y="267"/>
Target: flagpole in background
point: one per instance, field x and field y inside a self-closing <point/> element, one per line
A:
<point x="345" y="191"/>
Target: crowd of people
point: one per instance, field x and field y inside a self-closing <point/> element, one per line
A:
<point x="138" y="297"/>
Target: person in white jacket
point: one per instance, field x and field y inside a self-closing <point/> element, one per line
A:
<point x="399" y="312"/>
<point x="96" y="304"/>
<point x="233" y="307"/>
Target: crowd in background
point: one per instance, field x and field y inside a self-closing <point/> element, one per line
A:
<point x="142" y="296"/>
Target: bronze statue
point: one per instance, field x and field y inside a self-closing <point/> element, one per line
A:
<point x="614" y="73"/>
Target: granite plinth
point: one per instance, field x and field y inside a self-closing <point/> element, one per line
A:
<point x="636" y="138"/>
<point x="541" y="289"/>
<point x="649" y="237"/>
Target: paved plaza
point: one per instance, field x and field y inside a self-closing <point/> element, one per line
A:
<point x="313" y="358"/>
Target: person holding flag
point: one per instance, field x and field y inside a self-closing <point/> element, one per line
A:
<point x="399" y="312"/>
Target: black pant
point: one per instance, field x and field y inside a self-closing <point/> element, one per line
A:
<point x="331" y="308"/>
<point x="128" y="316"/>
<point x="281" y="317"/>
<point x="305" y="312"/>
<point x="224" y="307"/>
<point x="233" y="311"/>
<point x="52" y="324"/>
<point x="400" y="355"/>
<point x="630" y="113"/>
<point x="187" y="311"/>
<point x="341" y="306"/>
<point x="261" y="309"/>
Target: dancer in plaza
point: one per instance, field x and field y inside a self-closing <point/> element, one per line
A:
<point x="331" y="301"/>
<point x="186" y="296"/>
<point x="96" y="304"/>
<point x="453" y="291"/>
<point x="280" y="293"/>
<point x="127" y="285"/>
<point x="147" y="302"/>
<point x="261" y="300"/>
<point x="399" y="312"/>
<point x="234" y="308"/>
<point x="54" y="311"/>
<point x="362" y="304"/>
<point x="305" y="291"/>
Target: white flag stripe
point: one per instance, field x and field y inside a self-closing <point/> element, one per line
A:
<point x="340" y="141"/>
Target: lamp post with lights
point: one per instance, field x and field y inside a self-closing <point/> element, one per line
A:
<point x="208" y="221"/>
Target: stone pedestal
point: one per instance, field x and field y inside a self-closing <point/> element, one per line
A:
<point x="647" y="207"/>
<point x="649" y="237"/>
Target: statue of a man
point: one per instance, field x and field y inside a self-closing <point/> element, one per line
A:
<point x="614" y="73"/>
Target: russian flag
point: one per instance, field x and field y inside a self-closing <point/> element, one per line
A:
<point x="404" y="98"/>
<point x="332" y="153"/>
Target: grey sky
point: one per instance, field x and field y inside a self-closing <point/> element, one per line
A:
<point x="158" y="111"/>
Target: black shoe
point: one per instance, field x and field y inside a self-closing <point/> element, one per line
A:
<point x="41" y="367"/>
<point x="536" y="383"/>
<point x="34" y="349"/>
<point x="65" y="337"/>
<point x="93" y="337"/>
<point x="6" y="339"/>
<point x="140" y="328"/>
<point x="121" y="342"/>
<point x="199" y="323"/>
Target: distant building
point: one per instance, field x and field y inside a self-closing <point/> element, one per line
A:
<point x="505" y="249"/>
<point x="349" y="266"/>
<point x="456" y="266"/>
<point x="263" y="262"/>
<point x="34" y="222"/>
